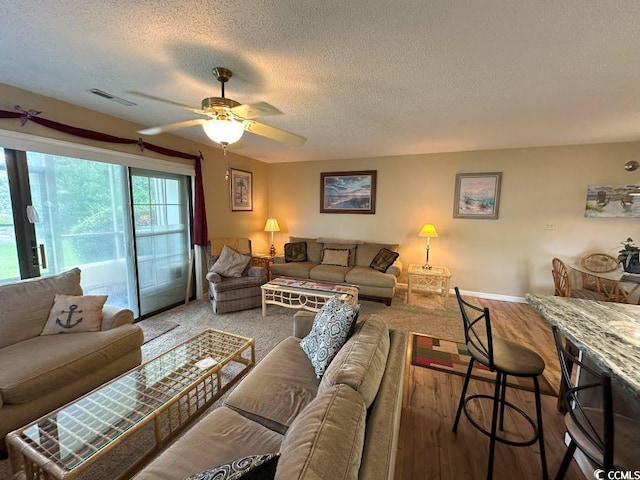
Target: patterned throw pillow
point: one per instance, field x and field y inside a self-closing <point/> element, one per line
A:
<point x="384" y="259"/>
<point x="295" y="252"/>
<point x="73" y="314"/>
<point x="334" y="256"/>
<point x="252" y="467"/>
<point x="328" y="333"/>
<point x="230" y="263"/>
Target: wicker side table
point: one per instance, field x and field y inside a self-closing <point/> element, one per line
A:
<point x="434" y="278"/>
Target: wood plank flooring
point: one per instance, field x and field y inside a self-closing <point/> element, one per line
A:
<point x="428" y="449"/>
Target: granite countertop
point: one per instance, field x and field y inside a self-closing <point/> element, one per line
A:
<point x="608" y="332"/>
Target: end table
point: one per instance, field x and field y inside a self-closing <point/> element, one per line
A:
<point x="435" y="278"/>
<point x="263" y="260"/>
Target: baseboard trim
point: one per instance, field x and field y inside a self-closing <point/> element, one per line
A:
<point x="488" y="296"/>
<point x="492" y="296"/>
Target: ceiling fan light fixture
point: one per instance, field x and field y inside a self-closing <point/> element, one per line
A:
<point x="224" y="132"/>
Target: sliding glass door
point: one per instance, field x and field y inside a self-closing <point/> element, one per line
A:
<point x="161" y="227"/>
<point x="81" y="220"/>
<point x="126" y="229"/>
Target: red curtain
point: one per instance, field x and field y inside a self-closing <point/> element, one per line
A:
<point x="200" y="235"/>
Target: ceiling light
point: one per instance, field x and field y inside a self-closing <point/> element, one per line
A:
<point x="224" y="132"/>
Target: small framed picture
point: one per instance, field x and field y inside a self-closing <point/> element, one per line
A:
<point x="241" y="195"/>
<point x="477" y="195"/>
<point x="348" y="192"/>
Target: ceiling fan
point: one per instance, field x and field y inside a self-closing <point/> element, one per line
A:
<point x="227" y="119"/>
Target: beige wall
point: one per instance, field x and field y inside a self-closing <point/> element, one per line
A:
<point x="220" y="220"/>
<point x="509" y="256"/>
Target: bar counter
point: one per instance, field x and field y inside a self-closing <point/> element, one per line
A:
<point x="608" y="332"/>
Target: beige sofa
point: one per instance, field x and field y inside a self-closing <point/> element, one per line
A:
<point x="344" y="426"/>
<point x="373" y="284"/>
<point x="41" y="373"/>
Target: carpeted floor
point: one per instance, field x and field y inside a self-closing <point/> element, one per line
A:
<point x="425" y="316"/>
<point x="278" y="324"/>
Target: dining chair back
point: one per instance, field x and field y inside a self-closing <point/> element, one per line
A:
<point x="603" y="263"/>
<point x="562" y="284"/>
<point x="608" y="440"/>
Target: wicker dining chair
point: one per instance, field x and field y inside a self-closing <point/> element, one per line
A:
<point x="602" y="263"/>
<point x="562" y="284"/>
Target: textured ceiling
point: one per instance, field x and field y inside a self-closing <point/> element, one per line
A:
<point x="357" y="78"/>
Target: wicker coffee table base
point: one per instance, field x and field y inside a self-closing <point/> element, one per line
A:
<point x="167" y="393"/>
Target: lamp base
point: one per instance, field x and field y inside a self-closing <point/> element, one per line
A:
<point x="426" y="266"/>
<point x="272" y="251"/>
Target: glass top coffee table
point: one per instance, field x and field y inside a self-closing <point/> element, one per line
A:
<point x="305" y="294"/>
<point x="169" y="392"/>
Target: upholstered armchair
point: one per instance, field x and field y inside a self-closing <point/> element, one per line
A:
<point x="233" y="283"/>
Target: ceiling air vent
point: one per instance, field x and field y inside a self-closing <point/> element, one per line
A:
<point x="113" y="98"/>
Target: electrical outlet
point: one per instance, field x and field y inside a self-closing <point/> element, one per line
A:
<point x="550" y="226"/>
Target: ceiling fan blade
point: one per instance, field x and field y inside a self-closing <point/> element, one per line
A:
<point x="274" y="133"/>
<point x="172" y="126"/>
<point x="255" y="110"/>
<point x="164" y="100"/>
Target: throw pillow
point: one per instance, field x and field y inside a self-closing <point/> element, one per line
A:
<point x="230" y="263"/>
<point x="384" y="259"/>
<point x="295" y="252"/>
<point x="71" y="314"/>
<point x="252" y="467"/>
<point x="334" y="256"/>
<point x="328" y="333"/>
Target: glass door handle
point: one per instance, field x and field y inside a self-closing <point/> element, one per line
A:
<point x="43" y="256"/>
<point x="41" y="260"/>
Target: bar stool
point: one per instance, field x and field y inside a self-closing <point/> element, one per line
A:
<point x="609" y="440"/>
<point x="505" y="358"/>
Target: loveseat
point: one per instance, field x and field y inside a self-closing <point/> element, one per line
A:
<point x="344" y="426"/>
<point x="39" y="373"/>
<point x="356" y="270"/>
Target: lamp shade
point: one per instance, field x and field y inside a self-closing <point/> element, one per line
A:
<point x="271" y="225"/>
<point x="428" y="230"/>
<point x="224" y="131"/>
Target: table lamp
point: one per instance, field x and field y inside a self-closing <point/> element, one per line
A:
<point x="272" y="226"/>
<point x="428" y="230"/>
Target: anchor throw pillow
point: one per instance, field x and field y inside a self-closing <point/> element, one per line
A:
<point x="71" y="314"/>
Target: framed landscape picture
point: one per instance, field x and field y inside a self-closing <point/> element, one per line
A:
<point x="477" y="195"/>
<point x="241" y="194"/>
<point x="348" y="192"/>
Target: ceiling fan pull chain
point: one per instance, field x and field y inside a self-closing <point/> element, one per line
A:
<point x="226" y="161"/>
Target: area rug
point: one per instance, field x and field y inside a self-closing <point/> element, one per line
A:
<point x="152" y="328"/>
<point x="453" y="357"/>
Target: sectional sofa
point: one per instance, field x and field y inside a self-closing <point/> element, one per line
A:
<point x="357" y="270"/>
<point x="344" y="426"/>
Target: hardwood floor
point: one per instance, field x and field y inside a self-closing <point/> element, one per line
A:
<point x="428" y="449"/>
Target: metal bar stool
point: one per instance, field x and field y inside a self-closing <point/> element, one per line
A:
<point x="505" y="358"/>
<point x="608" y="439"/>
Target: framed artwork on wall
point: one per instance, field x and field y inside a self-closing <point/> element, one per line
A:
<point x="348" y="192"/>
<point x="477" y="195"/>
<point x="621" y="201"/>
<point x="241" y="194"/>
